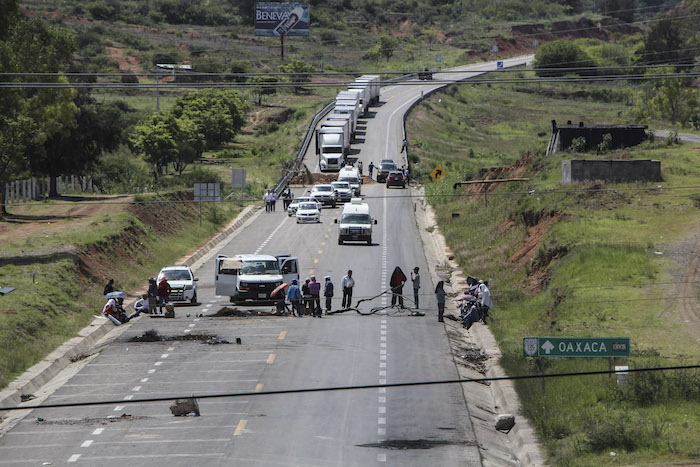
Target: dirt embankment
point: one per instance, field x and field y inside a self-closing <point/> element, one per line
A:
<point x="159" y="220"/>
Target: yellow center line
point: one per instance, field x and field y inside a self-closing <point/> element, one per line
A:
<point x="311" y="271"/>
<point x="240" y="428"/>
<point x="329" y="229"/>
<point x="283" y="334"/>
<point x="324" y="236"/>
<point x="270" y="361"/>
<point x="320" y="252"/>
<point x="258" y="387"/>
<point x="324" y="243"/>
<point x="315" y="261"/>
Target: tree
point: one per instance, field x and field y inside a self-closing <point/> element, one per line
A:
<point x="265" y="86"/>
<point x="219" y="114"/>
<point x="298" y="72"/>
<point x="155" y="139"/>
<point x="562" y="54"/>
<point x="387" y="46"/>
<point x="666" y="99"/>
<point x="430" y="35"/>
<point x="373" y="54"/>
<point x="664" y="43"/>
<point x="30" y="117"/>
<point x="98" y="128"/>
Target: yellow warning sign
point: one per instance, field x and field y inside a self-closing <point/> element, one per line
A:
<point x="437" y="174"/>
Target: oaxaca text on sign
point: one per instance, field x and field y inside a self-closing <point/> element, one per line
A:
<point x="576" y="346"/>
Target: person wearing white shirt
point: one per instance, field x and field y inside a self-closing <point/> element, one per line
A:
<point x="484" y="299"/>
<point x="347" y="284"/>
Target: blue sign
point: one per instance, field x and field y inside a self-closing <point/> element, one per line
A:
<point x="499" y="64"/>
<point x="281" y="19"/>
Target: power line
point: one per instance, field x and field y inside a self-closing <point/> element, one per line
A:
<point x="346" y="388"/>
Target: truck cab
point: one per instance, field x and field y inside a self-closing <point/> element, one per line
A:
<point x="330" y="148"/>
<point x="355" y="223"/>
<point x="252" y="278"/>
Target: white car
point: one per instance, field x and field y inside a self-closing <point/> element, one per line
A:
<point x="308" y="212"/>
<point x="183" y="287"/>
<point x="343" y="191"/>
<point x="292" y="208"/>
<point x="324" y="194"/>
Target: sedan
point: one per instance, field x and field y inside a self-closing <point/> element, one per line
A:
<point x="308" y="212"/>
<point x="324" y="194"/>
<point x="292" y="209"/>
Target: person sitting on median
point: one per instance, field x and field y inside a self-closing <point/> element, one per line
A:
<point x="143" y="304"/>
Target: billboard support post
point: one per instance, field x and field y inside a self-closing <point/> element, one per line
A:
<point x="282" y="46"/>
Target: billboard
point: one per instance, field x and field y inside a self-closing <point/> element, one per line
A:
<point x="281" y="19"/>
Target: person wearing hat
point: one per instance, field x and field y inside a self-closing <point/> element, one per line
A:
<point x="328" y="293"/>
<point x="294" y="296"/>
<point x="485" y="303"/>
<point x="315" y="293"/>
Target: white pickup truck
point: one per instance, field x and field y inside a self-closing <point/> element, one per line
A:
<point x="252" y="278"/>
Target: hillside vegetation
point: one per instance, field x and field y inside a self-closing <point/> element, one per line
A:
<point x="576" y="260"/>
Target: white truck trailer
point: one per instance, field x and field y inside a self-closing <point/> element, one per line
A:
<point x="355" y="94"/>
<point x="374" y="82"/>
<point x="351" y="111"/>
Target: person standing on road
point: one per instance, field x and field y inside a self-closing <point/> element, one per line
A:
<point x="294" y="296"/>
<point x="315" y="292"/>
<point x="347" y="284"/>
<point x="328" y="293"/>
<point x="306" y="294"/>
<point x="404" y="146"/>
<point x="415" y="278"/>
<point x="398" y="279"/>
<point x="268" y="201"/>
<point x="163" y="293"/>
<point x="287" y="198"/>
<point x="370" y="168"/>
<point x="109" y="287"/>
<point x="152" y="295"/>
<point x="274" y="201"/>
<point x="440" y="295"/>
<point x="359" y="167"/>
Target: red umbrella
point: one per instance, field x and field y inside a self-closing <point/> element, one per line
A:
<point x="282" y="286"/>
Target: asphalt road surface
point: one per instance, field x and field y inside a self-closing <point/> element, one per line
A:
<point x="426" y="425"/>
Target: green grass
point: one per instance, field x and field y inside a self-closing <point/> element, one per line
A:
<point x="606" y="280"/>
<point x="52" y="301"/>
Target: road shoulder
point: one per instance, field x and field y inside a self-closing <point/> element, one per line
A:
<point x="476" y="355"/>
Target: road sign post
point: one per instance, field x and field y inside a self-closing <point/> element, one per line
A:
<point x="608" y="347"/>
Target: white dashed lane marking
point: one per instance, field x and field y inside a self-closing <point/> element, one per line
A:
<point x="74" y="458"/>
<point x="86" y="443"/>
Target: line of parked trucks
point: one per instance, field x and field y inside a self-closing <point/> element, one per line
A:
<point x="335" y="134"/>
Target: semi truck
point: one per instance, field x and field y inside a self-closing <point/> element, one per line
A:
<point x="331" y="148"/>
<point x="354" y="95"/>
<point x="349" y="110"/>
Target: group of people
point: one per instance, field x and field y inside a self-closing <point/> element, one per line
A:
<point x="306" y="300"/>
<point x="371" y="168"/>
<point x="270" y="198"/>
<point x="397" y="281"/>
<point x="477" y="310"/>
<point x="157" y="295"/>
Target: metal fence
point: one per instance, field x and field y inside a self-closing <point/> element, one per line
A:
<point x="20" y="191"/>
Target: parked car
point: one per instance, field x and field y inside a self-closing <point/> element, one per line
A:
<point x="323" y="194"/>
<point x="308" y="212"/>
<point x="292" y="208"/>
<point x="396" y="178"/>
<point x="183" y="287"/>
<point x="343" y="191"/>
<point x="384" y="169"/>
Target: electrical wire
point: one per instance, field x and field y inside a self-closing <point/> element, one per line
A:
<point x="346" y="388"/>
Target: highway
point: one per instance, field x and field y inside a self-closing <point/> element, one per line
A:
<point x="407" y="426"/>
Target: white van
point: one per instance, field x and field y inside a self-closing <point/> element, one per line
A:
<point x="355" y="222"/>
<point x="253" y="277"/>
<point x="351" y="175"/>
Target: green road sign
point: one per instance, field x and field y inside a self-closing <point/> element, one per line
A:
<point x="576" y="346"/>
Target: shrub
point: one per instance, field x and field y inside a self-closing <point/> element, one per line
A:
<point x="607" y="143"/>
<point x="578" y="144"/>
<point x="561" y="54"/>
<point x="200" y="175"/>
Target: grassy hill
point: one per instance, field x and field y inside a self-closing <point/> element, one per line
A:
<point x="576" y="260"/>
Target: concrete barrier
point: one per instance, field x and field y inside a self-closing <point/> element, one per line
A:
<point x="578" y="170"/>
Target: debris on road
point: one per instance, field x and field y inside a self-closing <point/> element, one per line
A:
<point x="185" y="407"/>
